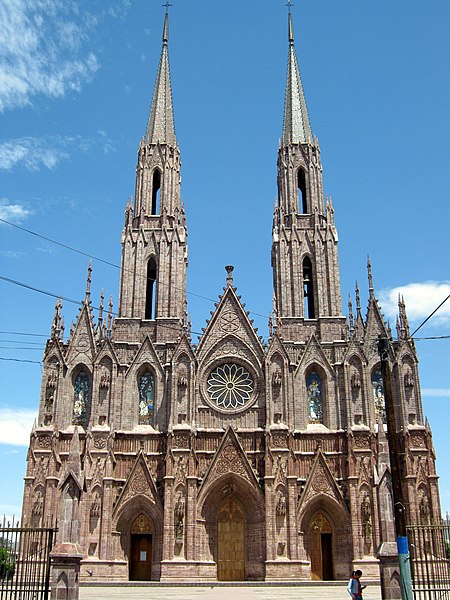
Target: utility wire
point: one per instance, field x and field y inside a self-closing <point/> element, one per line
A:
<point x="35" y="362"/>
<point x="102" y="260"/>
<point x="23" y="333"/>
<point x="429" y="316"/>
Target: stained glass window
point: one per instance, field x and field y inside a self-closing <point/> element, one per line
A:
<point x="378" y="396"/>
<point x="146" y="398"/>
<point x="230" y="386"/>
<point x="315" y="399"/>
<point x="80" y="399"/>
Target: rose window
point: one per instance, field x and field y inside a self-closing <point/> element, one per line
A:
<point x="230" y="386"/>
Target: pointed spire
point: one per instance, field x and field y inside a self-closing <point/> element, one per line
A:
<point x="88" y="284"/>
<point x="351" y="320"/>
<point x="56" y="324"/>
<point x="370" y="278"/>
<point x="358" y="299"/>
<point x="73" y="460"/>
<point x="403" y="329"/>
<point x="296" y="127"/>
<point x="161" y="127"/>
<point x="109" y="322"/>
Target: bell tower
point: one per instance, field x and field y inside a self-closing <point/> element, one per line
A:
<point x="154" y="250"/>
<point x="304" y="237"/>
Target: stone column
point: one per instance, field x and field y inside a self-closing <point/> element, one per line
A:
<point x="66" y="560"/>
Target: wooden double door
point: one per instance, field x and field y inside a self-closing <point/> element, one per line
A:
<point x="141" y="557"/>
<point x="231" y="542"/>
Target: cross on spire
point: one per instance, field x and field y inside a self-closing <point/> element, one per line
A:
<point x="167" y="5"/>
<point x="289" y="5"/>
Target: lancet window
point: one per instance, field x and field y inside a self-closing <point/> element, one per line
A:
<point x="315" y="398"/>
<point x="378" y="396"/>
<point x="302" y="202"/>
<point x="146" y="385"/>
<point x="308" y="289"/>
<point x="150" y="294"/>
<point x="156" y="191"/>
<point x="80" y="399"/>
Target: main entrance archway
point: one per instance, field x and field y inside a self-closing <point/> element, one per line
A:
<point x="321" y="548"/>
<point x="140" y="560"/>
<point x="230" y="542"/>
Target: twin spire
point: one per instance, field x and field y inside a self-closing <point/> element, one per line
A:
<point x="161" y="126"/>
<point x="296" y="127"/>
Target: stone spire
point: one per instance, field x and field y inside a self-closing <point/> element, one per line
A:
<point x="161" y="127"/>
<point x="296" y="127"/>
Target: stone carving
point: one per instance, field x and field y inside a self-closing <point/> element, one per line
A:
<point x="361" y="441"/>
<point x="320" y="482"/>
<point x="229" y="322"/>
<point x="179" y="517"/>
<point x="44" y="441"/>
<point x="279" y="440"/>
<point x="231" y="462"/>
<point x="181" y="439"/>
<point x="105" y="379"/>
<point x="280" y="507"/>
<point x="141" y="525"/>
<point x="417" y="441"/>
<point x="100" y="443"/>
<point x="366" y="523"/>
<point x="139" y="483"/>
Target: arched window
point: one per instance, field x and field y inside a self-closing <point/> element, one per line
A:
<point x="315" y="398"/>
<point x="156" y="191"/>
<point x="80" y="399"/>
<point x="378" y="396"/>
<point x="150" y="294"/>
<point x="308" y="290"/>
<point x="146" y="385"/>
<point x="302" y="202"/>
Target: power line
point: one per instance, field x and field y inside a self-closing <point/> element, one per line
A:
<point x="22" y="360"/>
<point x="57" y="296"/>
<point x="111" y="264"/>
<point x="23" y="333"/>
<point x="429" y="316"/>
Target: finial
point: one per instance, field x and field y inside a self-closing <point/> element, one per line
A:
<point x="369" y="276"/>
<point x="88" y="283"/>
<point x="358" y="298"/>
<point x="100" y="310"/>
<point x="109" y="323"/>
<point x="61" y="334"/>
<point x="290" y="27"/>
<point x="229" y="269"/>
<point x="165" y="36"/>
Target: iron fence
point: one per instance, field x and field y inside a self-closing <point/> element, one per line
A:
<point x="429" y="547"/>
<point x="25" y="561"/>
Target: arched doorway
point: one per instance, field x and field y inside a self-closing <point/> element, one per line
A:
<point x="231" y="542"/>
<point x="140" y="560"/>
<point x="321" y="548"/>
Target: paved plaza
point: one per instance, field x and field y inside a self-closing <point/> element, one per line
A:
<point x="319" y="591"/>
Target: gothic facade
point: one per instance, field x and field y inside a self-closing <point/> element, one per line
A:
<point x="230" y="459"/>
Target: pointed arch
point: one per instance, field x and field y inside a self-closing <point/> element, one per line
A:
<point x="302" y="195"/>
<point x="150" y="290"/>
<point x="378" y="393"/>
<point x="308" y="289"/>
<point x="146" y="395"/>
<point x="315" y="395"/>
<point x="156" y="192"/>
<point x="81" y="382"/>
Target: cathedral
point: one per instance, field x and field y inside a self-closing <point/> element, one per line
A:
<point x="235" y="458"/>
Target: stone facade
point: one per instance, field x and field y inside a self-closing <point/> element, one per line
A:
<point x="232" y="458"/>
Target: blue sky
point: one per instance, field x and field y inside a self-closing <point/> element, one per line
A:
<point x="76" y="80"/>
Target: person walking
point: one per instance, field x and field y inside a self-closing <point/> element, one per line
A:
<point x="354" y="587"/>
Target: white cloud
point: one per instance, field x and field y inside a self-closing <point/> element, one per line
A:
<point x="34" y="153"/>
<point x="41" y="51"/>
<point x="421" y="299"/>
<point x="436" y="392"/>
<point x="14" y="213"/>
<point x="15" y="426"/>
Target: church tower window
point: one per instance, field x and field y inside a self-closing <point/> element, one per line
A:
<point x="378" y="396"/>
<point x="156" y="191"/>
<point x="150" y="296"/>
<point x="308" y="289"/>
<point x="302" y="202"/>
<point x="315" y="398"/>
<point x="80" y="399"/>
<point x="146" y="384"/>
